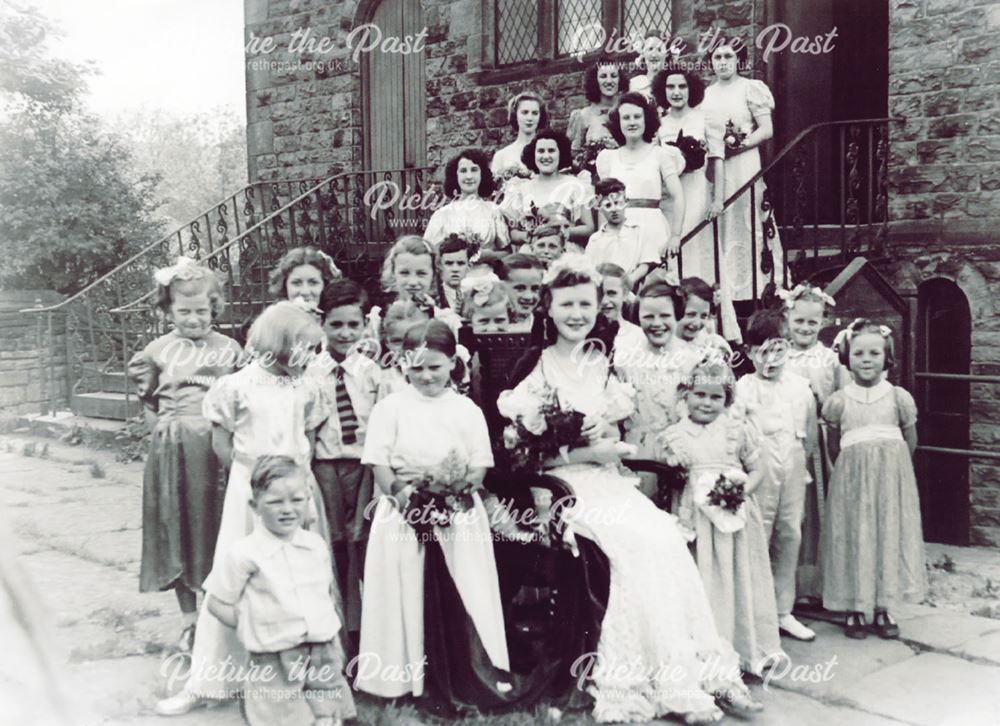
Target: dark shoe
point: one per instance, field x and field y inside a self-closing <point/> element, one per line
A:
<point x="884" y="626"/>
<point x="856" y="626"/>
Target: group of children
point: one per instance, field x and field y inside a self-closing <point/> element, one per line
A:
<point x="336" y="408"/>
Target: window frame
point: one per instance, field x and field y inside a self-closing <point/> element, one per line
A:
<point x="548" y="60"/>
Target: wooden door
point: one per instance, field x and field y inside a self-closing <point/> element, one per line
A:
<point x="394" y="88"/>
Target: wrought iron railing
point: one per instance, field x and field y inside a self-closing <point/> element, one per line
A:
<point x="827" y="193"/>
<point x="351" y="216"/>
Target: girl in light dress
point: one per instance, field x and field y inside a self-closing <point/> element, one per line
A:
<point x="414" y="431"/>
<point x="655" y="369"/>
<point x="747" y="105"/>
<point x="547" y="155"/>
<point x="659" y="650"/>
<point x="697" y="325"/>
<point x="873" y="546"/>
<point x="680" y="92"/>
<point x="603" y="82"/>
<point x="805" y="310"/>
<point x="731" y="549"/>
<point x="399" y="317"/>
<point x="182" y="483"/>
<point x="411" y="272"/>
<point x="652" y="56"/>
<point x="526" y="115"/>
<point x="655" y="198"/>
<point x="268" y="407"/>
<point x="472" y="212"/>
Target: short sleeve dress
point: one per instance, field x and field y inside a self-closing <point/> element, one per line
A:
<point x="408" y="430"/>
<point x="735" y="566"/>
<point x="873" y="546"/>
<point x="183" y="483"/>
<point x="657" y="625"/>
<point x="739" y="102"/>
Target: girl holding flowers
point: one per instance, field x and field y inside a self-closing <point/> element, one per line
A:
<point x="719" y="509"/>
<point x="427" y="435"/>
<point x="657" y="635"/>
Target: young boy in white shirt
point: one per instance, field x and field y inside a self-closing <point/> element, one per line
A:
<point x="620" y="242"/>
<point x="275" y="587"/>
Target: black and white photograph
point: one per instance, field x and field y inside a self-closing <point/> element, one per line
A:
<point x="499" y="362"/>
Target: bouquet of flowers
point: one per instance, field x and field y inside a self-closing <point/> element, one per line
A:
<point x="525" y="221"/>
<point x="439" y="495"/>
<point x="540" y="428"/>
<point x="585" y="159"/>
<point x="513" y="174"/>
<point x="693" y="150"/>
<point x="721" y="498"/>
<point x="733" y="138"/>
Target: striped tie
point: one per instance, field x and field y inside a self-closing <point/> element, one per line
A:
<point x="345" y="411"/>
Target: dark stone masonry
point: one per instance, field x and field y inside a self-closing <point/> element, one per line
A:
<point x="944" y="168"/>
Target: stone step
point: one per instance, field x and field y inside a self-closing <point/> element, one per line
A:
<point x="104" y="404"/>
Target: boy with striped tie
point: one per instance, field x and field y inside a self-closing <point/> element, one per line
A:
<point x="351" y="379"/>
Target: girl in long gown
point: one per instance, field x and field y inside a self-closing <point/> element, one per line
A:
<point x="546" y="156"/>
<point x="602" y="83"/>
<point x="472" y="213"/>
<point x="431" y="609"/>
<point x="526" y="114"/>
<point x="183" y="481"/>
<point x="731" y="549"/>
<point x="873" y="546"/>
<point x="655" y="198"/>
<point x="659" y="651"/>
<point x="747" y="105"/>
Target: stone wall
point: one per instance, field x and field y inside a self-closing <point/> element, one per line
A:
<point x="306" y="122"/>
<point x="26" y="378"/>
<point x="944" y="66"/>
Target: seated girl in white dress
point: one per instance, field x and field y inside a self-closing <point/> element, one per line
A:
<point x="659" y="651"/>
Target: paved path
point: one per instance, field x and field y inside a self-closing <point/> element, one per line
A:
<point x="78" y="538"/>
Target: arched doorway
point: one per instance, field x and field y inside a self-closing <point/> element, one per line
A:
<point x="944" y="344"/>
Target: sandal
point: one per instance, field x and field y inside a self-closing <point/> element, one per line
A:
<point x="856" y="626"/>
<point x="884" y="626"/>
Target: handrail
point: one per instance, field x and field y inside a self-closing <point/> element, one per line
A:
<point x="128" y="307"/>
<point x="152" y="246"/>
<point x="781" y="155"/>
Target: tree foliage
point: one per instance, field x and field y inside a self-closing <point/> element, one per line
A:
<point x="71" y="206"/>
<point x="201" y="158"/>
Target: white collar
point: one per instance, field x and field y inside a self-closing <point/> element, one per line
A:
<point x="870" y="394"/>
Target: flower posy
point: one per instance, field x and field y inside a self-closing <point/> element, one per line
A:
<point x="439" y="495"/>
<point x="721" y="497"/>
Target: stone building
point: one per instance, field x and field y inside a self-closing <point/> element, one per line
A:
<point x="341" y="85"/>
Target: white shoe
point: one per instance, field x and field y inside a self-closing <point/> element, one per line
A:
<point x="790" y="626"/>
<point x="181" y="703"/>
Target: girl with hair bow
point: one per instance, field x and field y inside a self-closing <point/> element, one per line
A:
<point x="873" y="547"/>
